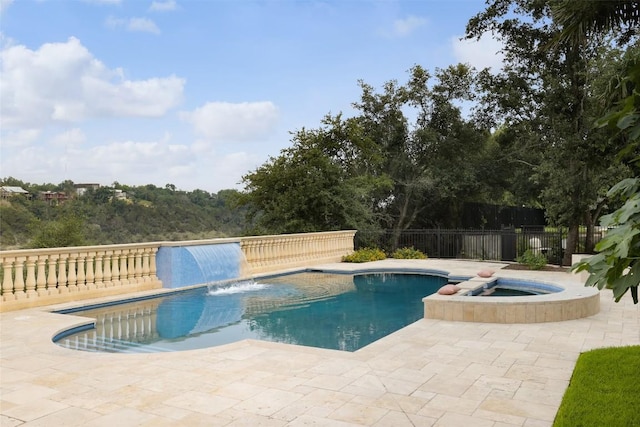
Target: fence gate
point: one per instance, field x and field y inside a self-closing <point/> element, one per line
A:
<point x="509" y="246"/>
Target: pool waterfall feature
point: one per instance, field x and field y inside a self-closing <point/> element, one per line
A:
<point x="194" y="263"/>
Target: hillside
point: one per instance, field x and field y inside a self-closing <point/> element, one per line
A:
<point x="96" y="217"/>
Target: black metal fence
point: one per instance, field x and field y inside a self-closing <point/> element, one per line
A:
<point x="496" y="245"/>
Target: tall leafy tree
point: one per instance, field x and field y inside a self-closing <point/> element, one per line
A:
<point x="617" y="265"/>
<point x="308" y="187"/>
<point x="544" y="96"/>
<point x="407" y="154"/>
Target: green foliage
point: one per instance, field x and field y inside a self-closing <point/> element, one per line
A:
<point x="533" y="260"/>
<point x="406" y="159"/>
<point x="308" y="187"/>
<point x="617" y="266"/>
<point x="408" y="253"/>
<point x="545" y="101"/>
<point x="66" y="231"/>
<point x="365" y="255"/>
<point x="624" y="117"/>
<point x="149" y="213"/>
<point x="602" y="390"/>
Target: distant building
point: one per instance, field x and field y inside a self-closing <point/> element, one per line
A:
<point x="6" y="192"/>
<point x="119" y="194"/>
<point x="53" y="197"/>
<point x="82" y="188"/>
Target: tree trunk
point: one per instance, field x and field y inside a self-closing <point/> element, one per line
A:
<point x="588" y="240"/>
<point x="572" y="239"/>
<point x="589" y="244"/>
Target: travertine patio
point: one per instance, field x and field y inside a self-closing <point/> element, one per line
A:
<point x="431" y="373"/>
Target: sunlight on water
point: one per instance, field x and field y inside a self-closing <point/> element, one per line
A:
<point x="237" y="288"/>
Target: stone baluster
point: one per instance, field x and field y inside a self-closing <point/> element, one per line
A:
<point x="287" y="246"/>
<point x="138" y="265"/>
<point x="260" y="253"/>
<point x="72" y="276"/>
<point x="307" y="248"/>
<point x="257" y="253"/>
<point x="152" y="263"/>
<point x="131" y="264"/>
<point x="146" y="270"/>
<point x="325" y="246"/>
<point x="266" y="251"/>
<point x="8" y="292"/>
<point x="81" y="275"/>
<point x="99" y="276"/>
<point x="41" y="276"/>
<point x="52" y="274"/>
<point x="123" y="268"/>
<point x="115" y="271"/>
<point x="273" y="251"/>
<point x="18" y="280"/>
<point x="31" y="276"/>
<point x="90" y="276"/>
<point x="315" y="243"/>
<point x="107" y="269"/>
<point x="264" y="255"/>
<point x="63" y="281"/>
<point x="289" y="252"/>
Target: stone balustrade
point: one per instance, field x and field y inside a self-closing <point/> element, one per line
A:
<point x="37" y="277"/>
<point x="266" y="254"/>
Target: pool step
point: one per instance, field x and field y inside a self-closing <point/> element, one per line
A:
<point x="109" y="345"/>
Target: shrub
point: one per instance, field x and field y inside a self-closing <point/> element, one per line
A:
<point x="365" y="255"/>
<point x="408" y="253"/>
<point x="534" y="260"/>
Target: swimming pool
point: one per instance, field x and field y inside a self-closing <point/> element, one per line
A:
<point x="334" y="311"/>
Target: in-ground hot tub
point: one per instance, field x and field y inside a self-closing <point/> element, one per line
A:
<point x="478" y="301"/>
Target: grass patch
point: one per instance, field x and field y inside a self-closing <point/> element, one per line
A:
<point x="604" y="389"/>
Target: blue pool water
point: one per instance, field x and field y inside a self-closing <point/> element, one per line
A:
<point x="334" y="311"/>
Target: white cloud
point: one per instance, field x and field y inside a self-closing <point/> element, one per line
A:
<point x="224" y="121"/>
<point x="404" y="27"/>
<point x="143" y="25"/>
<point x="20" y="138"/>
<point x="163" y="6"/>
<point x="71" y="138"/>
<point x="64" y="82"/>
<point x="480" y="54"/>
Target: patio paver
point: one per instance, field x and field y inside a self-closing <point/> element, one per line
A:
<point x="430" y="373"/>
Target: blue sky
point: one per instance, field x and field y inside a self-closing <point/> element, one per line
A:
<point x="197" y="93"/>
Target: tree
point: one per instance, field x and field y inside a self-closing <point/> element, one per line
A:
<point x="616" y="265"/>
<point x="305" y="189"/>
<point x="66" y="231"/>
<point x="407" y="158"/>
<point x="544" y="95"/>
